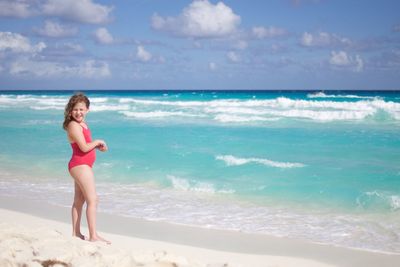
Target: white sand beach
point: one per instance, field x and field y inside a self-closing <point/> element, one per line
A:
<point x="38" y="234"/>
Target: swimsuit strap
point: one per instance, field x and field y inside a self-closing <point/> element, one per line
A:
<point x="86" y="128"/>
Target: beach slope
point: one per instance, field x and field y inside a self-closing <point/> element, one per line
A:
<point x="38" y="234"/>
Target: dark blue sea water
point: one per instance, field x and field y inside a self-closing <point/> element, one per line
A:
<point x="316" y="165"/>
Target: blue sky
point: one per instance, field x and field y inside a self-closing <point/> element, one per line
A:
<point x="232" y="44"/>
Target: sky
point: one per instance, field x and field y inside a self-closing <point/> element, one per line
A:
<point x="200" y="44"/>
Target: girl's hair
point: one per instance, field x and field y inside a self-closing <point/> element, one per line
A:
<point x="75" y="99"/>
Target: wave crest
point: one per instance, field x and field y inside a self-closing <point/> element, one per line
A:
<point x="235" y="161"/>
<point x="323" y="95"/>
<point x="195" y="186"/>
<point x="379" y="199"/>
<point x="318" y="107"/>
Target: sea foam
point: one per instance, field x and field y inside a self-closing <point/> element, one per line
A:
<point x="229" y="110"/>
<point x="379" y="199"/>
<point x="323" y="95"/>
<point x="195" y="186"/>
<point x="235" y="161"/>
<point x="235" y="110"/>
<point x="155" y="114"/>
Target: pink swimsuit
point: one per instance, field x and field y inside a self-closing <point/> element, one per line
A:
<point x="79" y="157"/>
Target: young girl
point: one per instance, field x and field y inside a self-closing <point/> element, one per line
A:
<point x="80" y="165"/>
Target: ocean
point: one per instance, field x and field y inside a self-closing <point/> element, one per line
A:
<point x="321" y="166"/>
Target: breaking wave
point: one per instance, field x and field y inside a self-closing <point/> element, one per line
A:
<point x="379" y="199"/>
<point x="323" y="95"/>
<point x="235" y="161"/>
<point x="317" y="107"/>
<point x="196" y="186"/>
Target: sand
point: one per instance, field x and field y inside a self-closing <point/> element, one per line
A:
<point x="39" y="234"/>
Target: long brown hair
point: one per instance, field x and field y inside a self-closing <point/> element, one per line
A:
<point x="76" y="98"/>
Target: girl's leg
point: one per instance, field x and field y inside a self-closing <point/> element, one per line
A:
<point x="84" y="177"/>
<point x="76" y="212"/>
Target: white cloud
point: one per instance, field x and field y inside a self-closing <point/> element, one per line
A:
<point x="78" y="10"/>
<point x="359" y="66"/>
<point x="75" y="48"/>
<point x="201" y="19"/>
<point x="16" y="8"/>
<point x="17" y="43"/>
<point x="323" y="39"/>
<point x="212" y="66"/>
<point x="233" y="57"/>
<point x="267" y="32"/>
<point x="85" y="11"/>
<point x="307" y="39"/>
<point x="88" y="69"/>
<point x="103" y="36"/>
<point x="339" y="58"/>
<point x="342" y="60"/>
<point x="55" y="29"/>
<point x="142" y="54"/>
<point x="62" y="50"/>
<point x="93" y="69"/>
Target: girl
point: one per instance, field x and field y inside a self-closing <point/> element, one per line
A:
<point x="80" y="165"/>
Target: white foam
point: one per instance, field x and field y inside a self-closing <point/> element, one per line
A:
<point x="252" y="111"/>
<point x="323" y="116"/>
<point x="378" y="232"/>
<point x="323" y="95"/>
<point x="34" y="102"/>
<point x="379" y="198"/>
<point x="47" y="107"/>
<point x="98" y="99"/>
<point x="318" y="94"/>
<point x="45" y="102"/>
<point x="394" y="202"/>
<point x="155" y="114"/>
<point x="41" y="122"/>
<point x="235" y="161"/>
<point x="235" y="118"/>
<point x="234" y="110"/>
<point x="164" y="103"/>
<point x="195" y="186"/>
<point x="109" y="107"/>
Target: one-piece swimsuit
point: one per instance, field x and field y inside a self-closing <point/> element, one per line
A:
<point x="78" y="156"/>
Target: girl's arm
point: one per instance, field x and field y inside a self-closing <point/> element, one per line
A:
<point x="76" y="134"/>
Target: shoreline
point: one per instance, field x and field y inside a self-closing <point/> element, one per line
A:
<point x="199" y="243"/>
<point x="138" y="204"/>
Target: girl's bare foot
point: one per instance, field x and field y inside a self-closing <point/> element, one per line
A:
<point x="79" y="235"/>
<point x="99" y="238"/>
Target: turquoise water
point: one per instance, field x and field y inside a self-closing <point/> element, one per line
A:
<point x="321" y="166"/>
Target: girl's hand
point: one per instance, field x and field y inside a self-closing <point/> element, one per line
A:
<point x="102" y="146"/>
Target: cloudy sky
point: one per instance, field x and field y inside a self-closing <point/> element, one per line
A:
<point x="200" y="44"/>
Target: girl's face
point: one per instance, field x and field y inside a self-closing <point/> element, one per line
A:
<point x="79" y="112"/>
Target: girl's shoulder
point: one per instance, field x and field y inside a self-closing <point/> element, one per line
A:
<point x="73" y="125"/>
